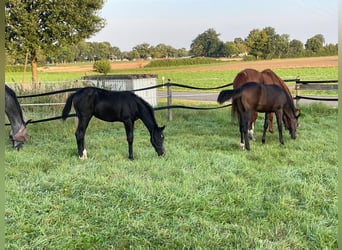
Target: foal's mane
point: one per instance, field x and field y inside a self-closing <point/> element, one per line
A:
<point x="144" y="106"/>
<point x="291" y="104"/>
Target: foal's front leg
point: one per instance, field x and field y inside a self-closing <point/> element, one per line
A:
<point x="279" y="115"/>
<point x="129" y="125"/>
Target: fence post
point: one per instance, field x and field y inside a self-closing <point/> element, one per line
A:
<point x="297" y="89"/>
<point x="169" y="99"/>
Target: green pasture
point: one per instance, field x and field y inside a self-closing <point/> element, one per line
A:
<point x="210" y="78"/>
<point x="204" y="194"/>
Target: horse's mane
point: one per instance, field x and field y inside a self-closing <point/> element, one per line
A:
<point x="14" y="100"/>
<point x="144" y="106"/>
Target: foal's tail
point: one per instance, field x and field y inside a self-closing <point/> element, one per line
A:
<point x="67" y="107"/>
<point x="225" y="95"/>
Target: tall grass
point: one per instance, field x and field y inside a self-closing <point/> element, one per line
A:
<point x="205" y="193"/>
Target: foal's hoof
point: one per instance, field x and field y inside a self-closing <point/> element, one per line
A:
<point x="84" y="155"/>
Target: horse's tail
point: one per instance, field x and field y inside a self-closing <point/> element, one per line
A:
<point x="225" y="95"/>
<point x="67" y="107"/>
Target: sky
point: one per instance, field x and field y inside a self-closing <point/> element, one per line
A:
<point x="178" y="22"/>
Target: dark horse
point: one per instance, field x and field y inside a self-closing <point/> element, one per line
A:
<point x="111" y="106"/>
<point x="267" y="77"/>
<point x="256" y="97"/>
<point x="18" y="133"/>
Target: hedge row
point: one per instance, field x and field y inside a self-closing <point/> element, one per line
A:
<point x="181" y="62"/>
<point x="17" y="68"/>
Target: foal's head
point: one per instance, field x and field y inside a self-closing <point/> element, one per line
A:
<point x="291" y="123"/>
<point x="157" y="140"/>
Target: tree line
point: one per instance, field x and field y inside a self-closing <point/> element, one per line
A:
<point x="56" y="32"/>
<point x="259" y="44"/>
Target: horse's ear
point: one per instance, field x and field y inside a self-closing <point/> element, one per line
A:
<point x="162" y="127"/>
<point x="297" y="113"/>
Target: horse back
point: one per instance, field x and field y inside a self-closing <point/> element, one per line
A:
<point x="272" y="78"/>
<point x="106" y="105"/>
<point x="247" y="75"/>
<point x="261" y="98"/>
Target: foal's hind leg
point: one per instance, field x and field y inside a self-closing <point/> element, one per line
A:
<point x="242" y="140"/>
<point x="80" y="133"/>
<point x="265" y="128"/>
<point x="244" y="119"/>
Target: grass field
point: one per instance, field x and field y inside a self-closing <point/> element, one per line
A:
<point x="204" y="194"/>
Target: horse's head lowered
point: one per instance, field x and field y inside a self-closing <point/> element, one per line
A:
<point x="291" y="123"/>
<point x="157" y="140"/>
<point x="19" y="137"/>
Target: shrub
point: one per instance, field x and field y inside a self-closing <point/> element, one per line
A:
<point x="102" y="66"/>
<point x="182" y="62"/>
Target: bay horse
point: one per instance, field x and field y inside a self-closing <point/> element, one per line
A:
<point x="268" y="77"/>
<point x="257" y="97"/>
<point x="18" y="133"/>
<point x="111" y="106"/>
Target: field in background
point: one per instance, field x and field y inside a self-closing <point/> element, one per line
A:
<point x="74" y="72"/>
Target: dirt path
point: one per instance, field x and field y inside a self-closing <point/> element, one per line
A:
<point x="311" y="62"/>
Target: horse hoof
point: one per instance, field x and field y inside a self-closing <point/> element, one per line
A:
<point x="84" y="155"/>
<point x="242" y="146"/>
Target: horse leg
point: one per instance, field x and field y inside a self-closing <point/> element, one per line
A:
<point x="129" y="134"/>
<point x="242" y="141"/>
<point x="251" y="126"/>
<point x="79" y="134"/>
<point x="245" y="119"/>
<point x="279" y="115"/>
<point x="270" y="118"/>
<point x="265" y="128"/>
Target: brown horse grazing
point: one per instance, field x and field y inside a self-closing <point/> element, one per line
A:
<point x="257" y="97"/>
<point x="268" y="77"/>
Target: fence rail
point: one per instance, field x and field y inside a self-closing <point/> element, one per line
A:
<point x="299" y="85"/>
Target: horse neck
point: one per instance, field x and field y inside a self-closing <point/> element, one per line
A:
<point x="15" y="116"/>
<point x="147" y="116"/>
<point x="289" y="109"/>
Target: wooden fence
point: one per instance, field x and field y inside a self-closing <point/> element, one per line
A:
<point x="299" y="85"/>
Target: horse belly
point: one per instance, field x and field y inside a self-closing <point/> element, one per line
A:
<point x="107" y="113"/>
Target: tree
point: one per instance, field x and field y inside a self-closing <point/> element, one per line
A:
<point x="230" y="49"/>
<point x="296" y="48"/>
<point x="315" y="43"/>
<point x="256" y="42"/>
<point x="207" y="44"/>
<point x="144" y="50"/>
<point x="49" y="25"/>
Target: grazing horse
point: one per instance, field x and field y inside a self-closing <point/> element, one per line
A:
<point x="257" y="97"/>
<point x="18" y="133"/>
<point x="111" y="106"/>
<point x="268" y="77"/>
